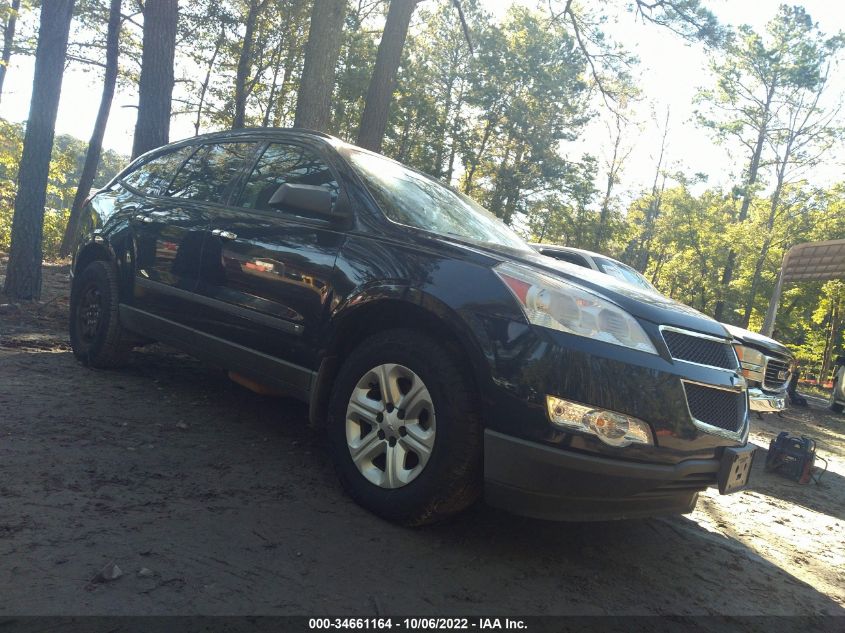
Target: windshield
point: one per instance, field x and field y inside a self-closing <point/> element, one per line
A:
<point x="623" y="272"/>
<point x="414" y="199"/>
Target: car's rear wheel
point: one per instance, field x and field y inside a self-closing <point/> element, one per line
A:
<point x="403" y="429"/>
<point x="96" y="336"/>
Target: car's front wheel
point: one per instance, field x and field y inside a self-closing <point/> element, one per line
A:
<point x="404" y="430"/>
<point x="96" y="336"/>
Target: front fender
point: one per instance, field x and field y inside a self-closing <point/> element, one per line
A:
<point x="419" y="305"/>
<point x="105" y="234"/>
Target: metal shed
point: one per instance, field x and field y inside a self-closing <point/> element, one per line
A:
<point x="811" y="261"/>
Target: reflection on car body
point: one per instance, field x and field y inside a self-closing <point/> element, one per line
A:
<point x="766" y="364"/>
<point x="441" y="354"/>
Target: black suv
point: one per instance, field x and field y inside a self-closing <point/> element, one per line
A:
<point x="441" y="354"/>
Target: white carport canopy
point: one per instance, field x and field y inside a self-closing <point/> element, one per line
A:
<point x="811" y="261"/>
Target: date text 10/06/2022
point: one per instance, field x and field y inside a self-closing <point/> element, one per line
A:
<point x="417" y="624"/>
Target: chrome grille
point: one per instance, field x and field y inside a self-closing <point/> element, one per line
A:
<point x="773" y="368"/>
<point x="716" y="407"/>
<point x="696" y="349"/>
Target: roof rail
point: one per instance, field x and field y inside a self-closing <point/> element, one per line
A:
<point x="247" y="130"/>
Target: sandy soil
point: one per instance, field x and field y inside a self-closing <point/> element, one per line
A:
<point x="229" y="504"/>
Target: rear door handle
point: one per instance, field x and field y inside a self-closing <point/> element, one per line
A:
<point x="226" y="235"/>
<point x="144" y="218"/>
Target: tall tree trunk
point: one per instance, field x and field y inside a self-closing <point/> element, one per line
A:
<point x="512" y="196"/>
<point x="23" y="274"/>
<point x="453" y="143"/>
<point x="443" y="131"/>
<point x="770" y="225"/>
<point x="380" y="92"/>
<point x="755" y="281"/>
<point x="655" y="275"/>
<point x="835" y="318"/>
<point x="271" y="100"/>
<point x="95" y="145"/>
<point x="281" y="113"/>
<point x="245" y="63"/>
<point x="313" y="102"/>
<point x="612" y="176"/>
<point x="155" y="90"/>
<point x="405" y="139"/>
<point x="653" y="213"/>
<point x="290" y="48"/>
<point x="8" y="40"/>
<point x="654" y="206"/>
<point x="747" y="196"/>
<point x="450" y="168"/>
<point x="204" y="89"/>
<point x="502" y="174"/>
<point x="488" y="129"/>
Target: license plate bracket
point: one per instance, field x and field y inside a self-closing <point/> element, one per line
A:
<point x="735" y="469"/>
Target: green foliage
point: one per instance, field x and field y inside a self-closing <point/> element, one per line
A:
<point x="356" y="62"/>
<point x="493" y="116"/>
<point x="65" y="170"/>
<point x="693" y="233"/>
<point x="11" y="146"/>
<point x="534" y="96"/>
<point x="566" y="216"/>
<point x="209" y="47"/>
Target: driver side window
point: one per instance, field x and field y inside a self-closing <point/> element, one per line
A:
<point x="205" y="176"/>
<point x="285" y="164"/>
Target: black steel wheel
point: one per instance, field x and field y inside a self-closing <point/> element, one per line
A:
<point x="96" y="336"/>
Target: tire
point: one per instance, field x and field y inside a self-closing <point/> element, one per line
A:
<point x="442" y="419"/>
<point x="835" y="406"/>
<point x="96" y="336"/>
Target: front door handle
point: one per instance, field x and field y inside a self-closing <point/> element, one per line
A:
<point x="226" y="235"/>
<point x="144" y="218"/>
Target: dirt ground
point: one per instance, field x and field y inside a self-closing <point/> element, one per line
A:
<point x="229" y="504"/>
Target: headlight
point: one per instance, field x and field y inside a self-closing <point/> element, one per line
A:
<point x="559" y="305"/>
<point x="751" y="361"/>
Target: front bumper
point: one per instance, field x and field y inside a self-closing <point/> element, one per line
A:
<point x="762" y="402"/>
<point x="543" y="482"/>
<point x="535" y="363"/>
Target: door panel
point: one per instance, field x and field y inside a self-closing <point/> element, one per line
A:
<point x="169" y="237"/>
<point x="268" y="273"/>
<point x="270" y="285"/>
<point x="172" y="226"/>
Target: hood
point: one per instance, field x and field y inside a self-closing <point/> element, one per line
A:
<point x="641" y="303"/>
<point x="758" y="341"/>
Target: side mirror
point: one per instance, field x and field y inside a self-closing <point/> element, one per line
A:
<point x="309" y="199"/>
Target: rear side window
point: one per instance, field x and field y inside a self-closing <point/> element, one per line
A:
<point x="207" y="174"/>
<point x="153" y="176"/>
<point x="280" y="164"/>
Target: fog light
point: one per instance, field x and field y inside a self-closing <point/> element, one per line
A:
<point x="614" y="429"/>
